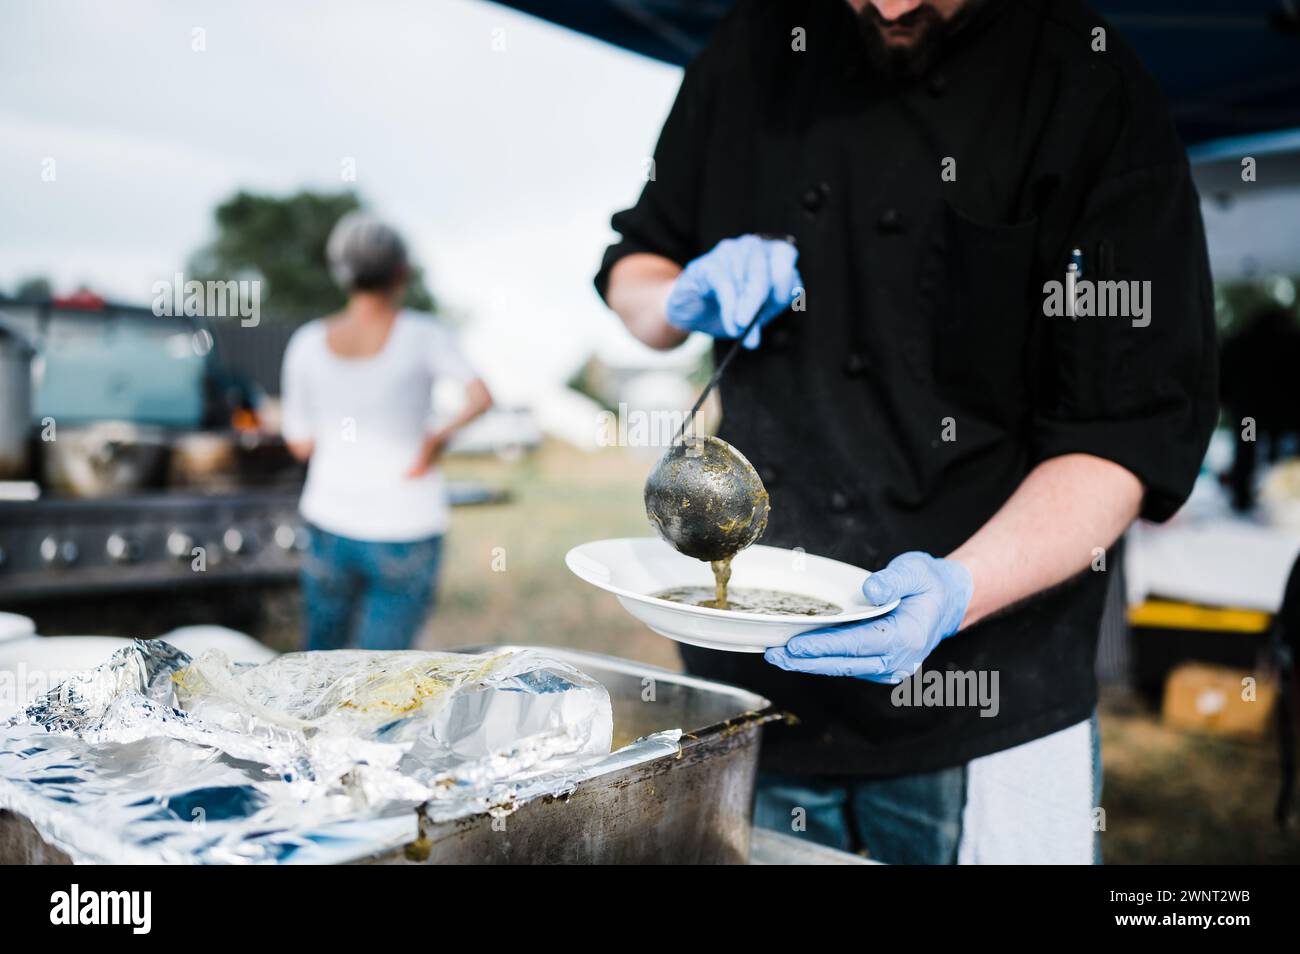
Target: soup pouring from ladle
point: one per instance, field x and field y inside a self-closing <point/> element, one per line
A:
<point x="703" y="497"/>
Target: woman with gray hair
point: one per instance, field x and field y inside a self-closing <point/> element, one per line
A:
<point x="357" y="392"/>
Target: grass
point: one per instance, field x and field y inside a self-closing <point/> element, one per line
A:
<point x="1172" y="797"/>
<point x="504" y="578"/>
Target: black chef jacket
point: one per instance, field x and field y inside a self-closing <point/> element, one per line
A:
<point x="925" y="311"/>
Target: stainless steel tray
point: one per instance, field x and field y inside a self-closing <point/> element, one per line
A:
<point x="693" y="809"/>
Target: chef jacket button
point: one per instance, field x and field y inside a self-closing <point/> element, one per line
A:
<point x="814" y="197"/>
<point x="890" y="222"/>
<point x="839" y="501"/>
<point x="937" y="85"/>
<point x="767" y="475"/>
<point x="855" y="364"/>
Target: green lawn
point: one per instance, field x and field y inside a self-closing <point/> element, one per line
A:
<point x="561" y="497"/>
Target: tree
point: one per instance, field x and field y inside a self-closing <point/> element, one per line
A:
<point x="281" y="241"/>
<point x="36" y="288"/>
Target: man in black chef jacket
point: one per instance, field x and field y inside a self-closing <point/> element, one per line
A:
<point x="993" y="351"/>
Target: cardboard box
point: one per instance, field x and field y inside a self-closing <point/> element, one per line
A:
<point x="1167" y="633"/>
<point x="1219" y="700"/>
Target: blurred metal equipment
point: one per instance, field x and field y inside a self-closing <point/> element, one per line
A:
<point x="104" y="458"/>
<point x="204" y="460"/>
<point x="58" y="546"/>
<point x="111" y="362"/>
<point x="63" y="546"/>
<point x="16" y="353"/>
<point x="118" y="392"/>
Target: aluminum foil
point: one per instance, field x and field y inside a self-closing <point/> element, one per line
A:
<point x="317" y="757"/>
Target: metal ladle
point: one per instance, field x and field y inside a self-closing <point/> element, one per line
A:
<point x="703" y="496"/>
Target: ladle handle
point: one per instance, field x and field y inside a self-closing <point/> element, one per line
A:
<point x="717" y="374"/>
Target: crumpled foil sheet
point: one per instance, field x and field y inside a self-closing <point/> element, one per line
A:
<point x="155" y="756"/>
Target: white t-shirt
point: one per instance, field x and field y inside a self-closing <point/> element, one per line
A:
<point x="368" y="417"/>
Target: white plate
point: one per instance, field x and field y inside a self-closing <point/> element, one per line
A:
<point x="634" y="567"/>
<point x="37" y="664"/>
<point x="13" y="626"/>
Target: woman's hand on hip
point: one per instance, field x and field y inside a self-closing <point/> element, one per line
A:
<point x="430" y="452"/>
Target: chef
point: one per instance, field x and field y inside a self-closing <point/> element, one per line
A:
<point x="926" y="202"/>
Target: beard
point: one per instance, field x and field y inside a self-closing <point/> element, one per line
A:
<point x="914" y="59"/>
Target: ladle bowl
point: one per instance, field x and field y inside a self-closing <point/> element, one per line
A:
<point x="705" y="499"/>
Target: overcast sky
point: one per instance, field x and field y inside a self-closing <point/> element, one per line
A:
<point x="502" y="166"/>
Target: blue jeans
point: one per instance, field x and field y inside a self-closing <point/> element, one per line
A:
<point x="361" y="594"/>
<point x="910" y="819"/>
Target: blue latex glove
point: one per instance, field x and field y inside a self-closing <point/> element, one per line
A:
<point x="933" y="594"/>
<point x="723" y="289"/>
